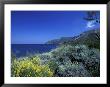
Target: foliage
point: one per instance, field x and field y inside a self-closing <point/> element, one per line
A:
<point x="92" y="62"/>
<point x="52" y="65"/>
<point x="30" y="68"/>
<point x="92" y="15"/>
<point x="72" y="70"/>
<point x="65" y="61"/>
<point x="13" y="57"/>
<point x="68" y="54"/>
<point x="45" y="57"/>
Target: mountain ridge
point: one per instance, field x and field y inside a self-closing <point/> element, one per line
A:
<point x="87" y="37"/>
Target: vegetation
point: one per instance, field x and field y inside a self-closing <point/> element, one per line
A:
<point x="65" y="61"/>
<point x="77" y="56"/>
<point x="30" y="67"/>
<point x="92" y="16"/>
<point x="90" y="38"/>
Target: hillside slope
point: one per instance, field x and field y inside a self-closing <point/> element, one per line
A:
<point x="90" y="38"/>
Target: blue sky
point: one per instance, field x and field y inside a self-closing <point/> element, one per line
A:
<point x="38" y="27"/>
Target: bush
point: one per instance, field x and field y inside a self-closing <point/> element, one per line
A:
<point x="13" y="56"/>
<point x="45" y="58"/>
<point x="30" y="68"/>
<point x="65" y="61"/>
<point x="70" y="53"/>
<point x="62" y="53"/>
<point x="78" y="53"/>
<point x="35" y="60"/>
<point x="52" y="65"/>
<point x="72" y="70"/>
<point x="92" y="62"/>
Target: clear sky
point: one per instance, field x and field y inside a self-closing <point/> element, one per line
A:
<point x="38" y="27"/>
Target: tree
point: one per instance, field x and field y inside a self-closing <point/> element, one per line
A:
<point x="92" y="16"/>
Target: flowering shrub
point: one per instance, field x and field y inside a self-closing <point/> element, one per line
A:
<point x="30" y="68"/>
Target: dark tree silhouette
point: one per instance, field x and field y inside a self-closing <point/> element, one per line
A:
<point x="92" y="15"/>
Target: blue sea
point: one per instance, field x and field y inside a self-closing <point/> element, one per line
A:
<point x="22" y="50"/>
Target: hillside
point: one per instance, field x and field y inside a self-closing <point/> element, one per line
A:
<point x="90" y="37"/>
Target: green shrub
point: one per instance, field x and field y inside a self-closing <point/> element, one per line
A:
<point x="52" y="65"/>
<point x="78" y="53"/>
<point x="35" y="60"/>
<point x="92" y="62"/>
<point x="72" y="70"/>
<point x="45" y="57"/>
<point x="13" y="56"/>
<point x="70" y="53"/>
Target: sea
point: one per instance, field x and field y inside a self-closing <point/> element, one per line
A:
<point x="23" y="50"/>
